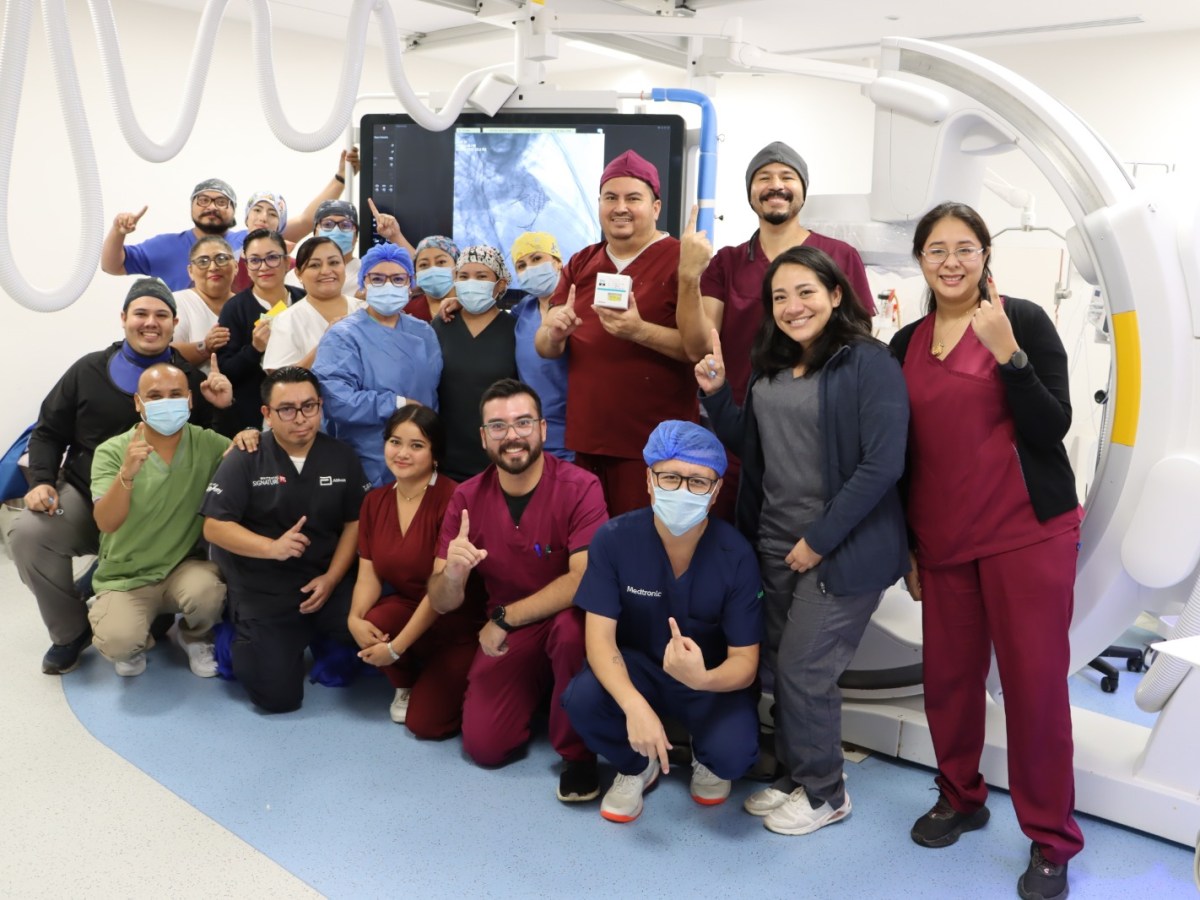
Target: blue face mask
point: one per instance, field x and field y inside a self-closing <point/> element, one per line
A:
<point x="344" y="239"/>
<point x="387" y="299"/>
<point x="540" y="280"/>
<point x="680" y="510"/>
<point x="436" y="281"/>
<point x="166" y="416"/>
<point x="475" y="296"/>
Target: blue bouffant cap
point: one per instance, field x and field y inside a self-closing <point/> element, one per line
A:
<point x="686" y="441"/>
<point x="384" y="252"/>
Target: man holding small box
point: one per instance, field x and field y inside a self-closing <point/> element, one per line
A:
<point x="627" y="369"/>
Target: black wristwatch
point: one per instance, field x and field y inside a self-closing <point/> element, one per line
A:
<point x="1018" y="361"/>
<point x="498" y="618"/>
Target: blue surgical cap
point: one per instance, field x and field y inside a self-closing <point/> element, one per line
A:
<point x="384" y="253"/>
<point x="685" y="441"/>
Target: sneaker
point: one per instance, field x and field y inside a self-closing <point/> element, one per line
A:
<point x="135" y="665"/>
<point x="762" y="802"/>
<point x="399" y="707"/>
<point x="62" y="658"/>
<point x="623" y="802"/>
<point x="796" y="815"/>
<point x="202" y="659"/>
<point x="708" y="789"/>
<point x="1043" y="880"/>
<point x="579" y="781"/>
<point x="942" y="825"/>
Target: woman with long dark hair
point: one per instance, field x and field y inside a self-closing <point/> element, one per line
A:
<point x="821" y="437"/>
<point x="991" y="502"/>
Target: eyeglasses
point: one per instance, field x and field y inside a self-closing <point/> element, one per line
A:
<point x="498" y="430"/>
<point x="378" y="279"/>
<point x="204" y="201"/>
<point x="221" y="259"/>
<point x="696" y="484"/>
<point x="939" y="254"/>
<point x="339" y="224"/>
<point x="287" y="413"/>
<point x="271" y="261"/>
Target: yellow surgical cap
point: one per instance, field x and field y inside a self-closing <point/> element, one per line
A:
<point x="534" y="241"/>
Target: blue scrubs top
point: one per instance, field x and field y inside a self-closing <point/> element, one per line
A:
<point x="546" y="376"/>
<point x="363" y="367"/>
<point x="165" y="256"/>
<point x="717" y="601"/>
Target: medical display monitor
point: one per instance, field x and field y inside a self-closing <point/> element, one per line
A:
<point x="487" y="179"/>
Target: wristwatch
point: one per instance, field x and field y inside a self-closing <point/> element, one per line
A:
<point x="498" y="618"/>
<point x="1018" y="361"/>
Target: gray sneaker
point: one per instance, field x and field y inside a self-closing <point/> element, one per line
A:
<point x="623" y="802"/>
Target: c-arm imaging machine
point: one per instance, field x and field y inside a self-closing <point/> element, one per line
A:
<point x="940" y="114"/>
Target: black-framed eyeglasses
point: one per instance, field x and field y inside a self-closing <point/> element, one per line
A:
<point x="498" y="430"/>
<point x="271" y="261"/>
<point x="378" y="279"/>
<point x="339" y="224"/>
<point x="220" y="259"/>
<point x="696" y="484"/>
<point x="204" y="201"/>
<point x="940" y="254"/>
<point x="287" y="412"/>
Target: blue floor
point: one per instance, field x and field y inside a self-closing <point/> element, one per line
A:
<point x="354" y="806"/>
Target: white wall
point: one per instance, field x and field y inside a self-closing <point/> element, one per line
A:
<point x="1146" y="108"/>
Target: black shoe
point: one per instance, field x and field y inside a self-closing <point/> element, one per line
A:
<point x="62" y="658"/>
<point x="579" y="781"/>
<point x="1043" y="880"/>
<point x="941" y="826"/>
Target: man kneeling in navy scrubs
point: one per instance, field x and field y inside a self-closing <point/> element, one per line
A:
<point x="673" y="625"/>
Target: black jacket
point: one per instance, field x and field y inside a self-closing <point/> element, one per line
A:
<point x="1039" y="400"/>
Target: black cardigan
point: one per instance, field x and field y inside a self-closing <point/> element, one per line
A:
<point x="1039" y="400"/>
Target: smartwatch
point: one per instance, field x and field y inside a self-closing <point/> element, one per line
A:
<point x="1018" y="361"/>
<point x="498" y="618"/>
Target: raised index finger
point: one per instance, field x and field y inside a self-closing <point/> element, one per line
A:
<point x="213" y="368"/>
<point x="374" y="208"/>
<point x="674" y="627"/>
<point x="716" y="344"/>
<point x="464" y="526"/>
<point x="140" y="214"/>
<point x="570" y="304"/>
<point x="299" y="524"/>
<point x="690" y="228"/>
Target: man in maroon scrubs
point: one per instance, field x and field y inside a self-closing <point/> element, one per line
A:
<point x="627" y="369"/>
<point x="524" y="523"/>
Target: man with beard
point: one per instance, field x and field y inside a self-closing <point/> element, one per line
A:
<point x="91" y="403"/>
<point x="726" y="293"/>
<point x="627" y="369"/>
<point x="165" y="256"/>
<point x="524" y="524"/>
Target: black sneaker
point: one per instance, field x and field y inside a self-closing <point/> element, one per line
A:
<point x="1043" y="880"/>
<point x="579" y="781"/>
<point x="62" y="658"/>
<point x="941" y="826"/>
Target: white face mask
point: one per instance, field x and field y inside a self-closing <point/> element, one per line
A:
<point x="475" y="296"/>
<point x="680" y="510"/>
<point x="540" y="280"/>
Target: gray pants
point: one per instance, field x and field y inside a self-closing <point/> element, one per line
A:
<point x="811" y="638"/>
<point x="43" y="548"/>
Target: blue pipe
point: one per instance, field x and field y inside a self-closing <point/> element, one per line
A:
<point x="706" y="177"/>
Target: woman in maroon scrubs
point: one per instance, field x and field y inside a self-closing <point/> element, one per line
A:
<point x="992" y="505"/>
<point x="424" y="655"/>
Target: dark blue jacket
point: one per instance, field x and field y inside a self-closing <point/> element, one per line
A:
<point x="863" y="421"/>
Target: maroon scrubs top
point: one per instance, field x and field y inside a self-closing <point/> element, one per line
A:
<point x="566" y="509"/>
<point x="967" y="497"/>
<point x="619" y="391"/>
<point x="735" y="277"/>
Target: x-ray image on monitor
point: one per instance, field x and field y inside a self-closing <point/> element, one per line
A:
<point x="511" y="180"/>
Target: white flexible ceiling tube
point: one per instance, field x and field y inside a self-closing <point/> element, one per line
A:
<point x="1164" y="676"/>
<point x="13" y="52"/>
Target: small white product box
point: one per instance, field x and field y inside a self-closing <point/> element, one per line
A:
<point x="612" y="291"/>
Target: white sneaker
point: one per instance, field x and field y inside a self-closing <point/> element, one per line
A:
<point x="708" y="789"/>
<point x="399" y="707"/>
<point x="623" y="802"/>
<point x="202" y="658"/>
<point x="762" y="802"/>
<point x="135" y="665"/>
<point x="796" y="816"/>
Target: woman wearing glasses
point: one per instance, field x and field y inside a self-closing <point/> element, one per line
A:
<point x="198" y="334"/>
<point x="377" y="360"/>
<point x="821" y="438"/>
<point x="247" y="316"/>
<point x="991" y="502"/>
